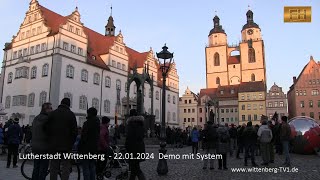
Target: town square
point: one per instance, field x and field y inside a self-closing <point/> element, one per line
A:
<point x="159" y="90"/>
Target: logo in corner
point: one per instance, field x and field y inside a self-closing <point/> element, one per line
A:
<point x="297" y="14"/>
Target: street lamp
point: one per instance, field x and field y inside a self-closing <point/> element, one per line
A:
<point x="167" y="57"/>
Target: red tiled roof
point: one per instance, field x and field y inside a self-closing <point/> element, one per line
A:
<point x="136" y="59"/>
<point x="53" y="20"/>
<point x="227" y="92"/>
<point x="234" y="59"/>
<point x="252" y="86"/>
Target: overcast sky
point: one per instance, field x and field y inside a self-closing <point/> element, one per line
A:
<point x="184" y="25"/>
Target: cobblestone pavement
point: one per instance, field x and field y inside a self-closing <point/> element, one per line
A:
<point x="308" y="168"/>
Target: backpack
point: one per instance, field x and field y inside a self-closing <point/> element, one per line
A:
<point x="224" y="136"/>
<point x="266" y="136"/>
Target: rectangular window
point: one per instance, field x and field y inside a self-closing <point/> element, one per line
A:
<point x="276" y="104"/>
<point x="185" y="110"/>
<point x="80" y="51"/>
<point x="261" y="106"/>
<point x="311" y="104"/>
<point x="248" y="96"/>
<point x="188" y="119"/>
<point x="243" y="117"/>
<point x="27" y="34"/>
<point x="303" y="114"/>
<point x="25" y="52"/>
<point x="269" y="104"/>
<point x="193" y="110"/>
<point x="119" y="65"/>
<point x="19" y="100"/>
<point x="77" y="31"/>
<point x="318" y="103"/>
<point x="242" y="97"/>
<point x="227" y="110"/>
<point x="302" y="104"/>
<point x="189" y="111"/>
<point x="255" y="117"/>
<point x="235" y="109"/>
<point x="260" y="95"/>
<point x="200" y="110"/>
<point x="186" y="101"/>
<point x="192" y="119"/>
<point x="113" y="63"/>
<point x="22" y="35"/>
<point x="32" y="50"/>
<point x="312" y="114"/>
<point x="39" y="30"/>
<point x="71" y="28"/>
<point x="65" y="46"/>
<point x="189" y="101"/>
<point x="33" y="31"/>
<point x="185" y="119"/>
<point x="222" y="119"/>
<point x="304" y="92"/>
<point x="255" y="107"/>
<point x="73" y="48"/>
<point x="249" y="117"/>
<point x="249" y="106"/>
<point x="222" y="110"/>
<point x="20" y="53"/>
<point x="43" y="46"/>
<point x="281" y="104"/>
<point x="38" y="48"/>
<point x="124" y="67"/>
<point x="231" y="110"/>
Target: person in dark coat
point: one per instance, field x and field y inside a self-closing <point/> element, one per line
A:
<point x="223" y="146"/>
<point x="134" y="143"/>
<point x="103" y="145"/>
<point x="28" y="134"/>
<point x="89" y="143"/>
<point x="14" y="135"/>
<point x="240" y="140"/>
<point x="285" y="136"/>
<point x="62" y="132"/>
<point x="210" y="138"/>
<point x="250" y="140"/>
<point x="40" y="143"/>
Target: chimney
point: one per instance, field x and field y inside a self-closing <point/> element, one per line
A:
<point x="294" y="79"/>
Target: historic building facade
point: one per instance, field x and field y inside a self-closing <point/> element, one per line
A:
<point x="188" y="111"/>
<point x="54" y="56"/>
<point x="252" y="102"/>
<point x="276" y="102"/>
<point x="230" y="65"/>
<point x="303" y="96"/>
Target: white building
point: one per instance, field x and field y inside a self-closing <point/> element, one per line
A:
<point x="54" y="56"/>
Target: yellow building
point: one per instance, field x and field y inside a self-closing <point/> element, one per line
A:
<point x="188" y="111"/>
<point x="252" y="102"/>
<point x="232" y="64"/>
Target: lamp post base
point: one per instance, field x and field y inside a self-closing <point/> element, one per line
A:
<point x="162" y="168"/>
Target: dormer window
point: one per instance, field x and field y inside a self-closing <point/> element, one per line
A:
<point x="221" y="92"/>
<point x="93" y="57"/>
<point x="232" y="91"/>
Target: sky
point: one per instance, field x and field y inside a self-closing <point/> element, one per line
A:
<point x="184" y="26"/>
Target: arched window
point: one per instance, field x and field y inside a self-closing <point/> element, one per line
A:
<point x="107" y="106"/>
<point x="83" y="103"/>
<point x="217" y="80"/>
<point x="10" y="75"/>
<point x="95" y="103"/>
<point x="33" y="72"/>
<point x="96" y="79"/>
<point x="69" y="95"/>
<point x="108" y="81"/>
<point x="216" y="59"/>
<point x="70" y="71"/>
<point x="118" y="84"/>
<point x="42" y="98"/>
<point x="157" y="95"/>
<point x="84" y="75"/>
<point x="253" y="77"/>
<point x="31" y="100"/>
<point x="8" y="102"/>
<point x="45" y="69"/>
<point x="157" y="113"/>
<point x="252" y="55"/>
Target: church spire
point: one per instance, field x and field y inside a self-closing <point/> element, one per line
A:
<point x="110" y="27"/>
<point x="217" y="28"/>
<point x="250" y="22"/>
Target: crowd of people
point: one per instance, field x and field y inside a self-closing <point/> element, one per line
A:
<point x="56" y="131"/>
<point x="248" y="139"/>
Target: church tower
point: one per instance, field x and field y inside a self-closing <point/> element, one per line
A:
<point x="110" y="28"/>
<point x="216" y="56"/>
<point x="252" y="52"/>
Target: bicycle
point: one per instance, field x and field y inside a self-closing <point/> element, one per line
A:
<point x="27" y="168"/>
